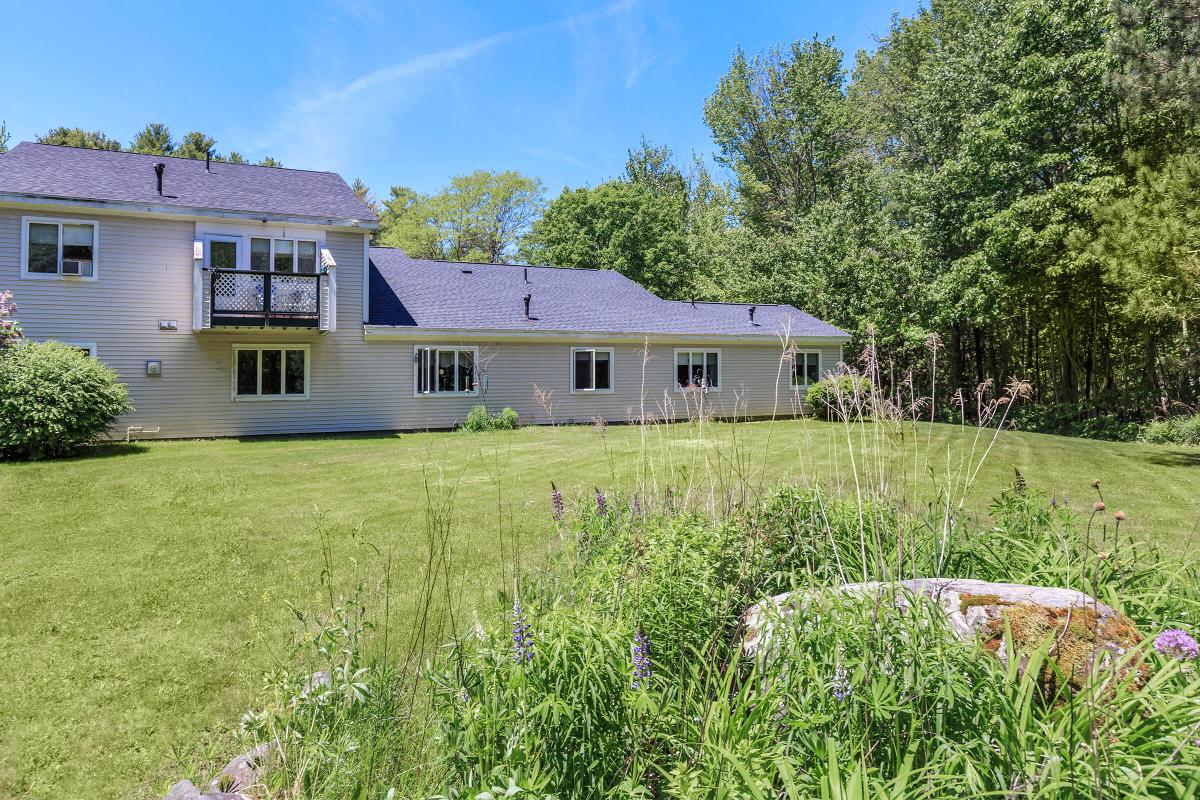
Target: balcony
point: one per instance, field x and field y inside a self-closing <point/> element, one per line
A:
<point x="242" y="299"/>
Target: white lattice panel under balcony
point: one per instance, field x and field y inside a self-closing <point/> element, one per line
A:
<point x="293" y="294"/>
<point x="238" y="292"/>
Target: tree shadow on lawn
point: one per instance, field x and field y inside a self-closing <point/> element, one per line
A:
<point x="1174" y="458"/>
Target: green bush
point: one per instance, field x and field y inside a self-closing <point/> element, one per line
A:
<point x="1173" y="430"/>
<point x="54" y="400"/>
<point x="478" y="419"/>
<point x="833" y="392"/>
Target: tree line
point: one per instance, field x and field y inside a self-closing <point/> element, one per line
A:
<point x="1006" y="190"/>
<point x="155" y="139"/>
<point x="1014" y="186"/>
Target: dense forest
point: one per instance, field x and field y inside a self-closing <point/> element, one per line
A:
<point x="1010" y="190"/>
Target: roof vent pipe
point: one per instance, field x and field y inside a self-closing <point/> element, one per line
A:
<point x="528" y="299"/>
<point x="752" y="310"/>
<point x="158" y="171"/>
<point x="208" y="160"/>
<point x="527" y="274"/>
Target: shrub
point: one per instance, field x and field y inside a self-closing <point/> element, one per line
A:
<point x="478" y="419"/>
<point x="1068" y="419"/>
<point x="55" y="399"/>
<point x="849" y="392"/>
<point x="1173" y="430"/>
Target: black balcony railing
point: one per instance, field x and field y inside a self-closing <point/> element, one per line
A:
<point x="264" y="299"/>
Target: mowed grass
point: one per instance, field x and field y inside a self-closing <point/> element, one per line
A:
<point x="144" y="591"/>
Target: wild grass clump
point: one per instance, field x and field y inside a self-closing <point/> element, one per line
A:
<point x="854" y="694"/>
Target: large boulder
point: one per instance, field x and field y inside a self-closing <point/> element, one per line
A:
<point x="1087" y="632"/>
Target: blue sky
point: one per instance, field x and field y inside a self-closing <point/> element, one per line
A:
<point x="404" y="93"/>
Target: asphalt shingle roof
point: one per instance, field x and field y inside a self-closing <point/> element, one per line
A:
<point x="410" y="292"/>
<point x="74" y="173"/>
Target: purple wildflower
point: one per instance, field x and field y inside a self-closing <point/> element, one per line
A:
<point x="601" y="503"/>
<point x="522" y="635"/>
<point x="1177" y="644"/>
<point x="641" y="659"/>
<point x="635" y="506"/>
<point x="841" y="687"/>
<point x="557" y="509"/>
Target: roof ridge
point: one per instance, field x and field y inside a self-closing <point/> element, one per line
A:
<point x="731" y="303"/>
<point x="486" y="263"/>
<point x="175" y="158"/>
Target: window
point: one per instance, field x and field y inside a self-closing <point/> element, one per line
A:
<point x="58" y="248"/>
<point x="276" y="372"/>
<point x="445" y="370"/>
<point x="223" y="252"/>
<point x="806" y="368"/>
<point x="591" y="369"/>
<point x="698" y="369"/>
<point x="283" y="255"/>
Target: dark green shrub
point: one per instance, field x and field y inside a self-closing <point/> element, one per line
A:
<point x="1173" y="430"/>
<point x="850" y="393"/>
<point x="478" y="419"/>
<point x="55" y="399"/>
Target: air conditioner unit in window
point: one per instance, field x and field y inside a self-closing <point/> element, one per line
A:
<point x="76" y="267"/>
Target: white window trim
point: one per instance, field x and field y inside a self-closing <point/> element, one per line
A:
<point x="796" y="363"/>
<point x="416" y="366"/>
<point x="675" y="368"/>
<point x="258" y="398"/>
<point x="295" y="240"/>
<point x="612" y="378"/>
<point x="242" y="255"/>
<point x="58" y="276"/>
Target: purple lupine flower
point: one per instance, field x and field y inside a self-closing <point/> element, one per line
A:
<point x="641" y="659"/>
<point x="557" y="509"/>
<point x="1177" y="644"/>
<point x="522" y="635"/>
<point x="601" y="503"/>
<point x="841" y="687"/>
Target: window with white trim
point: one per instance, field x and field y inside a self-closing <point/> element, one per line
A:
<point x="591" y="369"/>
<point x="262" y="372"/>
<point x="698" y="369"/>
<point x="58" y="248"/>
<point x="284" y="255"/>
<point x="445" y="370"/>
<point x="806" y="368"/>
<point x="223" y="252"/>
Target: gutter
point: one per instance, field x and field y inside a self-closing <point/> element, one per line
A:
<point x="400" y="332"/>
<point x="154" y="209"/>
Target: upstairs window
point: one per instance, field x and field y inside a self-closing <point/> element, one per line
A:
<point x="445" y="370"/>
<point x="698" y="369"/>
<point x="283" y="255"/>
<point x="806" y="369"/>
<point x="270" y="372"/>
<point x="591" y="369"/>
<point x="58" y="248"/>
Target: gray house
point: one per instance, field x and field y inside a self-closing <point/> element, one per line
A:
<point x="237" y="300"/>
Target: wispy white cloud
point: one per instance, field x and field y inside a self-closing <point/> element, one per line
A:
<point x="322" y="120"/>
<point x="554" y="155"/>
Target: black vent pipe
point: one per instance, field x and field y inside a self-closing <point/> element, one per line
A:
<point x="158" y="171"/>
<point x="528" y="298"/>
<point x="752" y="310"/>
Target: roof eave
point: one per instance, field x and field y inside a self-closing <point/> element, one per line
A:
<point x="381" y="332"/>
<point x="187" y="211"/>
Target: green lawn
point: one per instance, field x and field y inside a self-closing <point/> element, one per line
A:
<point x="143" y="591"/>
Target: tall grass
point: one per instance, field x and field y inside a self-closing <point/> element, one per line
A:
<point x="857" y="698"/>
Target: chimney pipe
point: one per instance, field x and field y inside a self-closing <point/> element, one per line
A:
<point x="528" y="298"/>
<point x="752" y="310"/>
<point x="208" y="160"/>
<point x="158" y="171"/>
<point x="527" y="274"/>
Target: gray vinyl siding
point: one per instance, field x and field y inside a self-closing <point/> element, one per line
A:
<point x="145" y="274"/>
